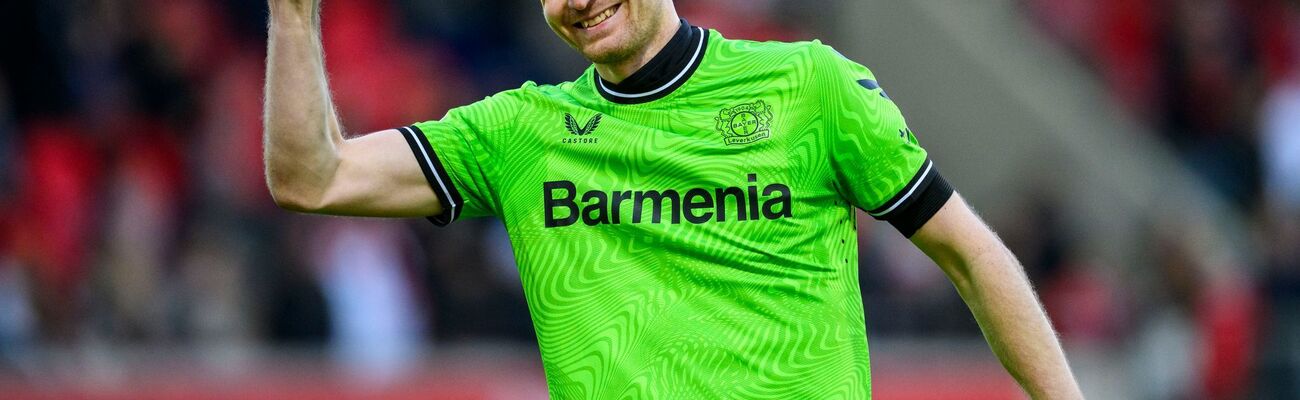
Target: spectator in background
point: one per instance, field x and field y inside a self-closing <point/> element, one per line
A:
<point x="363" y="267"/>
<point x="1163" y="358"/>
<point x="1078" y="292"/>
<point x="53" y="230"/>
<point x="1280" y="142"/>
<point x="18" y="331"/>
<point x="143" y="218"/>
<point x="1194" y="70"/>
<point x="1279" y="222"/>
<point x="215" y="301"/>
<point x="469" y="290"/>
<point x="17" y="316"/>
<point x="1210" y="83"/>
<point x="1196" y="331"/>
<point x="1279" y="362"/>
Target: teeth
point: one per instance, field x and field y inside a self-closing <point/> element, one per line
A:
<point x="598" y="19"/>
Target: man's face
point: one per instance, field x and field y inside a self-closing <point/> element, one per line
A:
<point x="606" y="31"/>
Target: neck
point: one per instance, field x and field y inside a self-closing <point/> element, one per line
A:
<point x="618" y="71"/>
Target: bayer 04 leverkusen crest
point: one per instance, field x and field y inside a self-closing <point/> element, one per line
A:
<point x="746" y="123"/>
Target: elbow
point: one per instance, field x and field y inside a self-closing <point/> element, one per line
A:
<point x="295" y="204"/>
<point x="290" y="198"/>
<point x="287" y="200"/>
<point x="300" y="180"/>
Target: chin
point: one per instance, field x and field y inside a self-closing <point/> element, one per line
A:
<point x="607" y="57"/>
<point x="608" y="53"/>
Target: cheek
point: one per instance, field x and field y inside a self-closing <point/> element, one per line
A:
<point x="553" y="12"/>
<point x="555" y="23"/>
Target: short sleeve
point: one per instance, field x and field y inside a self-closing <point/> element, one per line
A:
<point x="455" y="155"/>
<point x="879" y="165"/>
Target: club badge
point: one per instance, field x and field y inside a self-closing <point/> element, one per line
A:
<point x="746" y="123"/>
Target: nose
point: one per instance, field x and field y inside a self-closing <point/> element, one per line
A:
<point x="579" y="4"/>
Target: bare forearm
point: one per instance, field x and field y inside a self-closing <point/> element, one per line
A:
<point x="994" y="286"/>
<point x="302" y="134"/>
<point x="1015" y="325"/>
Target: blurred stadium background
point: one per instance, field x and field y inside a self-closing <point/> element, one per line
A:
<point x="1142" y="157"/>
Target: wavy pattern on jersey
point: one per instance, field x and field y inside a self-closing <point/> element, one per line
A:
<point x="755" y="309"/>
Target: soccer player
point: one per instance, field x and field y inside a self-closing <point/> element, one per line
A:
<point x="682" y="213"/>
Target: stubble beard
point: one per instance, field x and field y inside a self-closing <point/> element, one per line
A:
<point x="635" y="43"/>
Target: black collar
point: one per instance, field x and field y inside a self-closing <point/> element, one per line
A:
<point x="667" y="71"/>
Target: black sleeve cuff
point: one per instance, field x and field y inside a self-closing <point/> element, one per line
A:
<point x="913" y="206"/>
<point x="443" y="187"/>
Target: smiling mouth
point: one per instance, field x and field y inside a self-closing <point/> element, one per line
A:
<point x="596" y="20"/>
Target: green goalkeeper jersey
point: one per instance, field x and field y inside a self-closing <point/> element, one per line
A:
<point x="690" y="232"/>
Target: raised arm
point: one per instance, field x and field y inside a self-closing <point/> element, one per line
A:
<point x="995" y="287"/>
<point x="310" y="167"/>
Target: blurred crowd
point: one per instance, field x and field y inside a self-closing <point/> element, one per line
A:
<point x="1219" y="82"/>
<point x="134" y="214"/>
